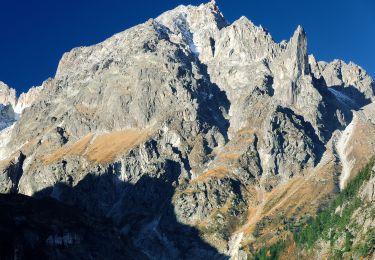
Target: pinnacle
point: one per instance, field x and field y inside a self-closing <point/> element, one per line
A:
<point x="300" y="31"/>
<point x="299" y="36"/>
<point x="212" y="5"/>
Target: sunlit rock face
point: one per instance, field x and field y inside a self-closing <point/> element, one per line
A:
<point x="189" y="133"/>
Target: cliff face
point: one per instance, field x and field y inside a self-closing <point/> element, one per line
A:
<point x="7" y="102"/>
<point x="196" y="137"/>
<point x="7" y="95"/>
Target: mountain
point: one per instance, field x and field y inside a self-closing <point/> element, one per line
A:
<point x="194" y="137"/>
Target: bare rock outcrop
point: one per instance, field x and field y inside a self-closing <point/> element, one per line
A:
<point x="7" y="95"/>
<point x="185" y="130"/>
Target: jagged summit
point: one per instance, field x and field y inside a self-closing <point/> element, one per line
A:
<point x="194" y="135"/>
<point x="7" y="94"/>
<point x="11" y="107"/>
<point x="297" y="52"/>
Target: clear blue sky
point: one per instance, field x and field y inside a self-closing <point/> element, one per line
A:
<point x="35" y="33"/>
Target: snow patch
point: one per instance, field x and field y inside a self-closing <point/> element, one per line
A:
<point x="18" y="109"/>
<point x="27" y="99"/>
<point x="5" y="135"/>
<point x="265" y="159"/>
<point x="183" y="25"/>
<point x="344" y="150"/>
<point x="180" y="25"/>
<point x="27" y="162"/>
<point x="234" y="245"/>
<point x="341" y="97"/>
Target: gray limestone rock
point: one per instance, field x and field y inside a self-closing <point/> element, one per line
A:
<point x="174" y="123"/>
<point x="7" y="95"/>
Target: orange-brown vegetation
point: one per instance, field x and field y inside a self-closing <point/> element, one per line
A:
<point x="106" y="147"/>
<point x="78" y="148"/>
<point x="301" y="195"/>
<point x="102" y="148"/>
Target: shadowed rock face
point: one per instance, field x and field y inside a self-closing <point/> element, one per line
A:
<point x="189" y="133"/>
<point x="47" y="229"/>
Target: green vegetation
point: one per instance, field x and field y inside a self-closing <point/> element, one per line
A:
<point x="270" y="252"/>
<point x="367" y="245"/>
<point x="330" y="225"/>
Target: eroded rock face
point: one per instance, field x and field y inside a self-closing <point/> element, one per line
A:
<point x="180" y="124"/>
<point x="350" y="77"/>
<point x="7" y="95"/>
<point x="10" y="110"/>
<point x="25" y="100"/>
<point x="7" y="102"/>
<point x="7" y="116"/>
<point x="293" y="142"/>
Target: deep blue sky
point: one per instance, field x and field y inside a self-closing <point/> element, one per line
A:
<point x="35" y="33"/>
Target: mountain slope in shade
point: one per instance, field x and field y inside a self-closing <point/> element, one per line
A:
<point x="47" y="229"/>
<point x="196" y="137"/>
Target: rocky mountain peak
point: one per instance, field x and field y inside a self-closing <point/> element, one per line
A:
<point x="290" y="67"/>
<point x="197" y="25"/>
<point x="7" y="95"/>
<point x="186" y="123"/>
<point x="8" y="100"/>
<point x="351" y="78"/>
<point x="297" y="48"/>
<point x="213" y="6"/>
<point x="11" y="108"/>
<point x="27" y="99"/>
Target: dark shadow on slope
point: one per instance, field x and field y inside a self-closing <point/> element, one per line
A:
<point x="350" y="96"/>
<point x="143" y="213"/>
<point x="307" y="128"/>
<point x="213" y="102"/>
<point x="338" y="105"/>
<point x="47" y="229"/>
<point x="15" y="172"/>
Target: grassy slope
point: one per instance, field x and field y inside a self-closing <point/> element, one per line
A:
<point x="337" y="223"/>
<point x="335" y="226"/>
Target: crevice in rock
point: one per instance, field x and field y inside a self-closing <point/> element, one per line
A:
<point x="212" y="44"/>
<point x="15" y="172"/>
